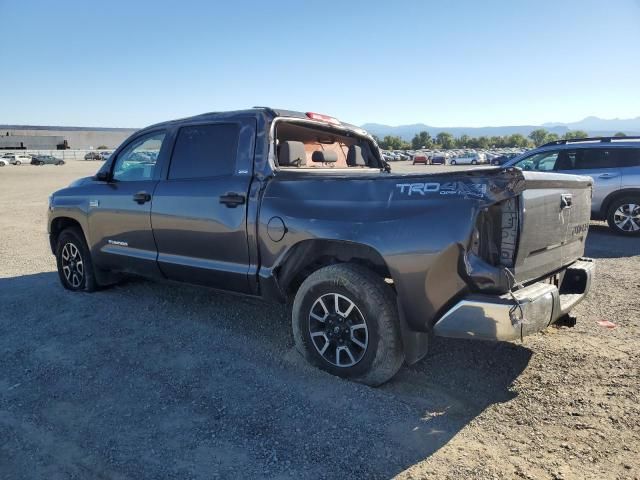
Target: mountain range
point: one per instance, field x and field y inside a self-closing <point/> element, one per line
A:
<point x="592" y="125"/>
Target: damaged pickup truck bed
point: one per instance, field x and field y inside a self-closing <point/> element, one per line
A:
<point x="301" y="208"/>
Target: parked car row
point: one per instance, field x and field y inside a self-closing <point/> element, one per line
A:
<point x="20" y="158"/>
<point x="496" y="156"/>
<point x="99" y="155"/>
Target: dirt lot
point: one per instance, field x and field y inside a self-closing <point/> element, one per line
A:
<point x="148" y="380"/>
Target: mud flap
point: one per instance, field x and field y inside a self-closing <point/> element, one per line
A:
<point x="415" y="344"/>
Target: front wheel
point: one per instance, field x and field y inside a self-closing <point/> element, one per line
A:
<point x="624" y="216"/>
<point x="345" y="321"/>
<point x="73" y="259"/>
<point x="474" y="162"/>
<point x="453" y="162"/>
<point x="18" y="162"/>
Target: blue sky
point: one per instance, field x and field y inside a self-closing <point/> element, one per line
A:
<point x="444" y="63"/>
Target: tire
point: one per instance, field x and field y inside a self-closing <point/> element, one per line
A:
<point x="18" y="162"/>
<point x="74" y="275"/>
<point x="363" y="299"/>
<point x="60" y="163"/>
<point x="473" y="162"/>
<point x="453" y="162"/>
<point x="623" y="216"/>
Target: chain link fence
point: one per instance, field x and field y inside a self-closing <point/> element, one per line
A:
<point x="66" y="155"/>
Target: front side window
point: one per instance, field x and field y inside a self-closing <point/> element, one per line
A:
<point x="203" y="151"/>
<point x="543" y="162"/>
<point x="138" y="160"/>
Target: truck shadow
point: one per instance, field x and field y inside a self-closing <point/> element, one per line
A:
<point x="161" y="375"/>
<point x="603" y="243"/>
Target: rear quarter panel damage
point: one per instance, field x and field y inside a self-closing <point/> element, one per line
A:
<point x="420" y="225"/>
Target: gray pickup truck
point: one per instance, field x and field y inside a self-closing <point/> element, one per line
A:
<point x="301" y="208"/>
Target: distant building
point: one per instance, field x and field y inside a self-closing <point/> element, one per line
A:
<point x="28" y="137"/>
<point x="32" y="142"/>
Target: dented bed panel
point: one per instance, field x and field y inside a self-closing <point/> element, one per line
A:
<point x="420" y="225"/>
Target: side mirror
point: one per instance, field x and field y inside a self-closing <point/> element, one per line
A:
<point x="102" y="176"/>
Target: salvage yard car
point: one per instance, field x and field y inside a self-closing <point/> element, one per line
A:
<point x="614" y="165"/>
<point x="469" y="159"/>
<point x="17" y="158"/>
<point x="301" y="208"/>
<point x="46" y="160"/>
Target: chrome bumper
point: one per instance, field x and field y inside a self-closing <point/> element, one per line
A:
<point x="487" y="317"/>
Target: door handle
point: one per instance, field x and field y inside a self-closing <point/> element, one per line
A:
<point x="607" y="175"/>
<point x="232" y="199"/>
<point x="566" y="200"/>
<point x="141" y="197"/>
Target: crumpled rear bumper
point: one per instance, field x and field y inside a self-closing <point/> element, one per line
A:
<point x="500" y="317"/>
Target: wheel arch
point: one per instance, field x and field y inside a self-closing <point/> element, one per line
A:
<point x="58" y="225"/>
<point x="609" y="199"/>
<point x="307" y="256"/>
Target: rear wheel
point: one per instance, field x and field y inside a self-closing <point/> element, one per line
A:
<point x="453" y="162"/>
<point x="18" y="162"/>
<point x="73" y="259"/>
<point x="60" y="163"/>
<point x="474" y="162"/>
<point x="345" y="321"/>
<point x="624" y="216"/>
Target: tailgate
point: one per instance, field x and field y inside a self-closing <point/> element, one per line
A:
<point x="555" y="213"/>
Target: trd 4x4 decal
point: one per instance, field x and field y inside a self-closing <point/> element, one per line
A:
<point x="473" y="190"/>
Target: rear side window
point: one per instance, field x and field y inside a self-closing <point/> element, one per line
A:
<point x="625" y="157"/>
<point x="203" y="151"/>
<point x="584" y="159"/>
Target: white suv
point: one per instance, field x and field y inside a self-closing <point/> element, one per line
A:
<point x="17" y="158"/>
<point x="469" y="159"/>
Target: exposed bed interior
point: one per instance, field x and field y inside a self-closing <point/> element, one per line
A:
<point x="309" y="146"/>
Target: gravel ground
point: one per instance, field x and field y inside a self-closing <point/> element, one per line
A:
<point x="149" y="380"/>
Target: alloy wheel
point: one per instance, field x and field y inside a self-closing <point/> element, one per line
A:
<point x="627" y="217"/>
<point x="338" y="330"/>
<point x="72" y="265"/>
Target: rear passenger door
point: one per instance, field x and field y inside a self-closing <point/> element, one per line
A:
<point x="199" y="212"/>
<point x="597" y="163"/>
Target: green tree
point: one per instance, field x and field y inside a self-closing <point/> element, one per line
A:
<point x="517" y="140"/>
<point x="463" y="141"/>
<point x="552" y="137"/>
<point x="392" y="142"/>
<point x="571" y="134"/>
<point x="445" y="140"/>
<point x="422" y="140"/>
<point x="539" y="136"/>
<point x="620" y="134"/>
